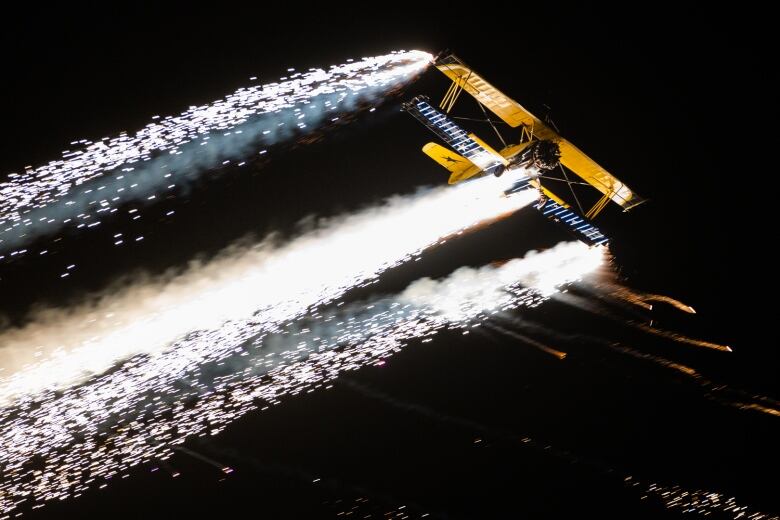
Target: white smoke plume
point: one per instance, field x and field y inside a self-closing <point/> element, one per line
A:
<point x="141" y="411"/>
<point x="242" y="289"/>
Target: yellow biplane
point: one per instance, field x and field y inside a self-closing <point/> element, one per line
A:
<point x="540" y="151"/>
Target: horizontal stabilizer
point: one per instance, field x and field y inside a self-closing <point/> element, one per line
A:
<point x="460" y="167"/>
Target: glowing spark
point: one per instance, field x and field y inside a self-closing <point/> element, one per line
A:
<point x="700" y="502"/>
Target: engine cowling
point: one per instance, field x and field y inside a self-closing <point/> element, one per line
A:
<point x="542" y="155"/>
<point x="545" y="155"/>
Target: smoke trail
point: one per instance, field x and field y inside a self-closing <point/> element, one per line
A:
<point x="641" y="299"/>
<point x="718" y="392"/>
<point x="94" y="178"/>
<point x="677" y="304"/>
<point x="530" y="341"/>
<point x="139" y="411"/>
<point x="621" y="294"/>
<point x="679" y="338"/>
<point x="244" y="289"/>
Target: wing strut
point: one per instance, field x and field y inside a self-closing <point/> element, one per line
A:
<point x="512" y="113"/>
<point x="452" y="94"/>
<point x="487" y="118"/>
<point x="568" y="183"/>
<point x="598" y="206"/>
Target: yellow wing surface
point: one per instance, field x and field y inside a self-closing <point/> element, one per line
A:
<point x="511" y="112"/>
<point x="459" y="167"/>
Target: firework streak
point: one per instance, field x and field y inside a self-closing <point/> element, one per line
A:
<point x="86" y="435"/>
<point x="94" y="180"/>
<point x="265" y="284"/>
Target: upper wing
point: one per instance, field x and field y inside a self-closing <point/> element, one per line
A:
<point x="511" y="112"/>
<point x="499" y="103"/>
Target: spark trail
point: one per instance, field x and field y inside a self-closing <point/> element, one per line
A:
<point x="263" y="285"/>
<point x="139" y="412"/>
<point x="643" y="299"/>
<point x="94" y="179"/>
<point x="719" y="392"/>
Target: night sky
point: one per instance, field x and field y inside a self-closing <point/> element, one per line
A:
<point x="665" y="99"/>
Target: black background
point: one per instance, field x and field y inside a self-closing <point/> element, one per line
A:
<point x="671" y="100"/>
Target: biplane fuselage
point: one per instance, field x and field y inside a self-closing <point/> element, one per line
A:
<point x="539" y="150"/>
